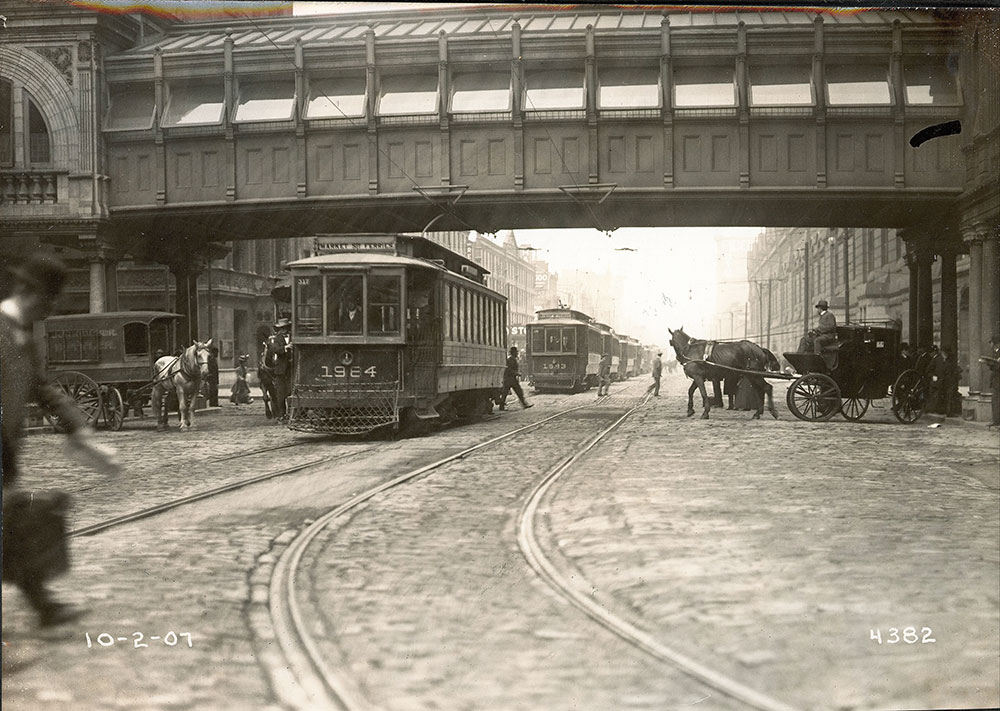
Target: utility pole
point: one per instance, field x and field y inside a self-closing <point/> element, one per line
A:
<point x="847" y="276"/>
<point x="806" y="310"/>
<point x="769" y="313"/>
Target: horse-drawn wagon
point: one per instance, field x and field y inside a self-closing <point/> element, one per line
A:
<point x="863" y="365"/>
<point x="104" y="361"/>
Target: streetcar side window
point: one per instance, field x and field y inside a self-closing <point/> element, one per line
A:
<point x="308" y="305"/>
<point x="384" y="298"/>
<point x="345" y="303"/>
<point x="537" y="340"/>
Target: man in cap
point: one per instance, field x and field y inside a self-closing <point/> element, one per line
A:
<point x="604" y="375"/>
<point x="824" y="334"/>
<point x="657" y="372"/>
<point x="281" y="365"/>
<point x="511" y="382"/>
<point x="37" y="283"/>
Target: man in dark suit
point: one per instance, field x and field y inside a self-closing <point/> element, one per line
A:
<point x="824" y="334"/>
<point x="351" y="319"/>
<point x="34" y="548"/>
<point x="511" y="381"/>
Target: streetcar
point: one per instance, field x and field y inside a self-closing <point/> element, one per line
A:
<point x="563" y="351"/>
<point x="104" y="361"/>
<point x="862" y="366"/>
<point x="391" y="330"/>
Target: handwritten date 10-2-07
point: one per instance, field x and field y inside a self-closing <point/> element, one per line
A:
<point x="137" y="640"/>
<point x="907" y="635"/>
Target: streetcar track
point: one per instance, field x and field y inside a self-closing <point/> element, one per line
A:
<point x="321" y="685"/>
<point x="102" y="526"/>
<point x="592" y="603"/>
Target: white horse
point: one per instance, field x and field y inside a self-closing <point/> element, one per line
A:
<point x="184" y="374"/>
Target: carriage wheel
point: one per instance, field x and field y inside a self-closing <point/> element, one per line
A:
<point x="909" y="396"/>
<point x="113" y="408"/>
<point x="854" y="408"/>
<point x="84" y="393"/>
<point x="814" y="398"/>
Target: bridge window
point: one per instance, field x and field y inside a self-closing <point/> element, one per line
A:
<point x="408" y="94"/>
<point x="131" y="108"/>
<point x="857" y="85"/>
<point x="38" y="136"/>
<point x="702" y="87"/>
<point x="780" y="86"/>
<point x="265" y="101"/>
<point x="632" y="88"/>
<point x="308" y="305"/>
<point x="336" y="98"/>
<point x="6" y="123"/>
<point x="930" y="85"/>
<point x="553" y="90"/>
<point x="194" y="105"/>
<point x="476" y="93"/>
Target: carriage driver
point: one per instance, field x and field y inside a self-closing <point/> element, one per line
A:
<point x="824" y="333"/>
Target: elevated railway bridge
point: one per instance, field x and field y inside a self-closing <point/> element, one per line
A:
<point x="169" y="137"/>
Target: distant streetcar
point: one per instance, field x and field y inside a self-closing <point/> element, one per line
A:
<point x="389" y="329"/>
<point x="563" y="350"/>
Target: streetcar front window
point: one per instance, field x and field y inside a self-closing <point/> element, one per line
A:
<point x="384" y="299"/>
<point x="345" y="304"/>
<point x="537" y="340"/>
<point x="568" y="340"/>
<point x="308" y="305"/>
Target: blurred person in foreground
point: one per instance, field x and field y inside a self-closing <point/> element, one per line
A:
<point x="34" y="545"/>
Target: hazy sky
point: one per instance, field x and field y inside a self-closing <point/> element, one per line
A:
<point x="669" y="279"/>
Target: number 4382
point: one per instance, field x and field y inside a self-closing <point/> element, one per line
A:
<point x="909" y="635"/>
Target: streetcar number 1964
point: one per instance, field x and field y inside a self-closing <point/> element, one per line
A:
<point x="909" y="635"/>
<point x="343" y="371"/>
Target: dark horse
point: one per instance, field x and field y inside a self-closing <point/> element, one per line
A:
<point x="274" y="371"/>
<point x="741" y="355"/>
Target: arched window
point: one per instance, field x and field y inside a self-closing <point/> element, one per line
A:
<point x="38" y="136"/>
<point x="6" y="123"/>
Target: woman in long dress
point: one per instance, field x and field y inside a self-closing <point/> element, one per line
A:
<point x="241" y="390"/>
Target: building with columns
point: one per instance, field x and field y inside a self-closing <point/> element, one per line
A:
<point x="862" y="272"/>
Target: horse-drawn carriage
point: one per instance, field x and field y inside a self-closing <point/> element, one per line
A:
<point x="104" y="362"/>
<point x="864" y="365"/>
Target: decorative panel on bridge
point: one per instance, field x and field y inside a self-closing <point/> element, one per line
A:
<point x="195" y="170"/>
<point x="631" y="154"/>
<point x="783" y="152"/>
<point x="337" y="162"/>
<point x="860" y="153"/>
<point x="705" y="153"/>
<point x="482" y="157"/>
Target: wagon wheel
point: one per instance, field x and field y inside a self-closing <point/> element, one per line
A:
<point x="112" y="407"/>
<point x="814" y="397"/>
<point x="854" y="408"/>
<point x="909" y="396"/>
<point x="84" y="393"/>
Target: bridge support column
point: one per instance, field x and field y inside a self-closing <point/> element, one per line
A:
<point x="186" y="290"/>
<point x="990" y="318"/>
<point x="949" y="302"/>
<point x="919" y="258"/>
<point x="974" y="368"/>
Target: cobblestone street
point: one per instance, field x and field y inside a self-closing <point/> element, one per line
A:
<point x="767" y="550"/>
